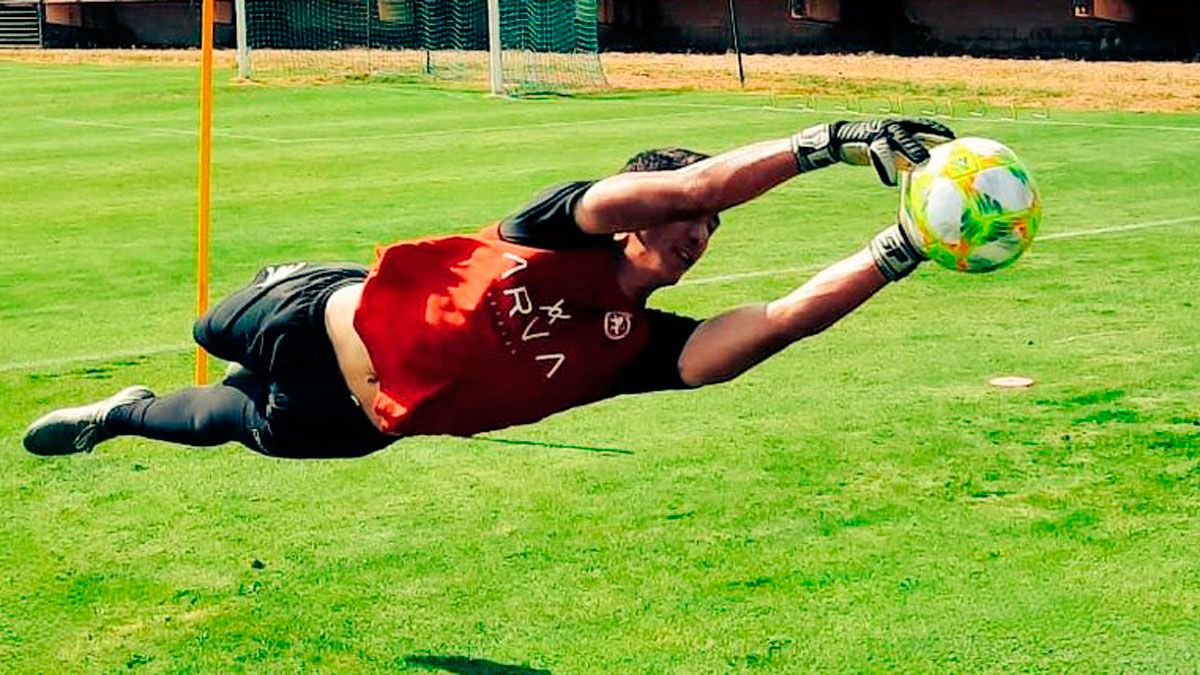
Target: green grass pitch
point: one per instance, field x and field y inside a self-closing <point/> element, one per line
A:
<point x="863" y="502"/>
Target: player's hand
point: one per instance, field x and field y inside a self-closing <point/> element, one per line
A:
<point x="890" y="145"/>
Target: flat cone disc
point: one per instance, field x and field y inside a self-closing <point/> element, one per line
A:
<point x="1011" y="382"/>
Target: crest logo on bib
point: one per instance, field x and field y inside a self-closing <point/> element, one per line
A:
<point x="617" y="325"/>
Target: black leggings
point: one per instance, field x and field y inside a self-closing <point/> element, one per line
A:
<point x="199" y="416"/>
<point x="233" y="411"/>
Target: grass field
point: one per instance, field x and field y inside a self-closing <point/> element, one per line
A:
<point x="864" y="502"/>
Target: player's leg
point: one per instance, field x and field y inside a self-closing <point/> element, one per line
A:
<point x="199" y="416"/>
<point x="231" y="330"/>
<point x="299" y="405"/>
<point x="227" y="412"/>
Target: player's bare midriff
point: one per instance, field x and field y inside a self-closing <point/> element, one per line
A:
<point x="352" y="356"/>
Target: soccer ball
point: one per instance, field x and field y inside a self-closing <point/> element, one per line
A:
<point x="973" y="206"/>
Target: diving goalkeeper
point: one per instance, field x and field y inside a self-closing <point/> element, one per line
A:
<point x="543" y="311"/>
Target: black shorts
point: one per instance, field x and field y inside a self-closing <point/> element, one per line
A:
<point x="275" y="328"/>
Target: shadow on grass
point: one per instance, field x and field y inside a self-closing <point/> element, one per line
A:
<point x="552" y="446"/>
<point x="464" y="665"/>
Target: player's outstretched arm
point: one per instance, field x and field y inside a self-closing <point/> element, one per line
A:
<point x="731" y="343"/>
<point x="637" y="200"/>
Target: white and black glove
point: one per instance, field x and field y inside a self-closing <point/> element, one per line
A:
<point x="890" y="145"/>
<point x="897" y="251"/>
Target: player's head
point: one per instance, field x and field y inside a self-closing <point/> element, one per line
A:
<point x="663" y="159"/>
<point x="666" y="251"/>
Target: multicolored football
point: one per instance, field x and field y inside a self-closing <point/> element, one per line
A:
<point x="973" y="206"/>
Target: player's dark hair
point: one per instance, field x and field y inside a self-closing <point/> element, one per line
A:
<point x="663" y="159"/>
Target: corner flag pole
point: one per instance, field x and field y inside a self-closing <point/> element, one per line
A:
<point x="204" y="197"/>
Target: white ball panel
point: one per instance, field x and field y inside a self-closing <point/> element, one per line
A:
<point x="1004" y="187"/>
<point x="944" y="210"/>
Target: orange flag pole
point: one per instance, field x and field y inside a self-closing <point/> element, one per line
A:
<point x="204" y="196"/>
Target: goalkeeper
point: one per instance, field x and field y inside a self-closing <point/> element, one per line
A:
<point x="543" y="311"/>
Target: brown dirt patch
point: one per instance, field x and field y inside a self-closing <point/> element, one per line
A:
<point x="1145" y="86"/>
<point x="1141" y="86"/>
<point x="117" y="57"/>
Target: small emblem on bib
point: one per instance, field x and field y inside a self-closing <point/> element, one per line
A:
<point x="617" y="325"/>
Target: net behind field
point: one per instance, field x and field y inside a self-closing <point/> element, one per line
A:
<point x="547" y="45"/>
<point x="551" y="42"/>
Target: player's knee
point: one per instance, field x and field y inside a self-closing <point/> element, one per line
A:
<point x="214" y="333"/>
<point x="201" y="331"/>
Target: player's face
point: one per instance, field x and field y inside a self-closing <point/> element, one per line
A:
<point x="665" y="252"/>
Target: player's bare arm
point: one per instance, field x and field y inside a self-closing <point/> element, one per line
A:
<point x="731" y="343"/>
<point x="632" y="201"/>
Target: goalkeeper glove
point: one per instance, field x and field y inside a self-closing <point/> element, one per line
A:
<point x="897" y="251"/>
<point x="876" y="142"/>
